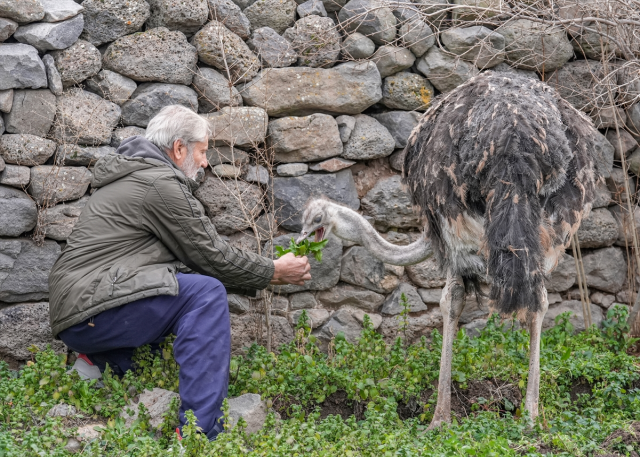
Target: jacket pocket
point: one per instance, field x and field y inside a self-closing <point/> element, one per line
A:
<point x="121" y="281"/>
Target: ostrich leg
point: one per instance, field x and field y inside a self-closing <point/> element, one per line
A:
<point x="534" y="321"/>
<point x="451" y="305"/>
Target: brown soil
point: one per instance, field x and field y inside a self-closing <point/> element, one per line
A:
<point x="488" y="394"/>
<point x="620" y="439"/>
<point x="337" y="404"/>
<point x="580" y="387"/>
<point x="414" y="406"/>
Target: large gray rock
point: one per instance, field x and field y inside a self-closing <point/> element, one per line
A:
<point x="616" y="184"/>
<point x="84" y="118"/>
<point x="606" y="269"/>
<point x="583" y="83"/>
<point x="238" y="304"/>
<point x="7" y="28"/>
<point x="292" y="169"/>
<point x="33" y="112"/>
<point x="187" y="16"/>
<point x="249" y="407"/>
<point x="276" y="14"/>
<point x="346" y="124"/>
<point x="399" y="124"/>
<point x="316" y="40"/>
<point x="406" y="91"/>
<point x="316" y="317"/>
<point x="45" y="36"/>
<point x="21" y="67"/>
<point x="477" y="44"/>
<point x="310" y="8"/>
<point x="577" y="315"/>
<point x="324" y="275"/>
<point x="417" y="35"/>
<point x="78" y="62"/>
<point x="564" y="275"/>
<point x="535" y="45"/>
<point x="58" y="221"/>
<point x="418" y="326"/>
<point x="349" y="295"/>
<point x="107" y="21"/>
<point x="430" y="296"/>
<point x="222" y="202"/>
<point x="22" y="11"/>
<point x="122" y="133"/>
<point x="341" y="322"/>
<point x="445" y="71"/>
<point x="25" y="149"/>
<point x="272" y="49"/>
<point x="24" y="325"/>
<point x="60" y="10"/>
<point x="604" y="153"/>
<point x="603" y="196"/>
<point x="214" y="91"/>
<point x="150" y="98"/>
<point x="157" y="403"/>
<point x="426" y="274"/>
<point x="156" y="55"/>
<point x="371" y="18"/>
<point x="19" y="212"/>
<point x="51" y="184"/>
<point x="360" y="268"/>
<point x="392" y="59"/>
<point x="392" y="305"/>
<point x="348" y="88"/>
<point x="243" y="331"/>
<point x="74" y="155"/>
<point x="369" y="140"/>
<point x="358" y="46"/>
<point x="390" y="205"/>
<point x="304" y="139"/>
<point x="112" y="86"/>
<point x="623" y="219"/>
<point x="231" y="16"/>
<point x="53" y="75"/>
<point x="622" y="141"/>
<point x="6" y="100"/>
<point x="302" y="300"/>
<point x="24" y="270"/>
<point x="504" y="67"/>
<point x="219" y="47"/>
<point x="598" y="230"/>
<point x="291" y="194"/>
<point x="606" y="117"/>
<point x="227" y="154"/>
<point x="238" y="126"/>
<point x="15" y="176"/>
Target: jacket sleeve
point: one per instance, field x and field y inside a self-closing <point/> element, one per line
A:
<point x="174" y="215"/>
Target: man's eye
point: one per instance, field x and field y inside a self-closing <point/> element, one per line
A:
<point x="317" y="219"/>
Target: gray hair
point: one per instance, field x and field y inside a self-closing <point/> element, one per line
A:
<point x="176" y="122"/>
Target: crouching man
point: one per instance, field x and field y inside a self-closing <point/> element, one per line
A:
<point x="128" y="274"/>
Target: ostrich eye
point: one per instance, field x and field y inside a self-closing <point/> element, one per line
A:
<point x="317" y="219"/>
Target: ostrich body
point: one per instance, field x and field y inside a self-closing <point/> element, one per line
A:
<point x="502" y="169"/>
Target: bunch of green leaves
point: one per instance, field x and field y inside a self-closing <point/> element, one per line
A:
<point x="305" y="247"/>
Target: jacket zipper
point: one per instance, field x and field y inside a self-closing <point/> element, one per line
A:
<point x="114" y="282"/>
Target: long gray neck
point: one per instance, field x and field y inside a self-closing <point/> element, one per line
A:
<point x="351" y="226"/>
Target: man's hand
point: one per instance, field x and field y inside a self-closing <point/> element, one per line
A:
<point x="290" y="269"/>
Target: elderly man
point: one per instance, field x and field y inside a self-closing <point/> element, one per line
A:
<point x="127" y="276"/>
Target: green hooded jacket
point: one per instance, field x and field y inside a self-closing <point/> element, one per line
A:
<point x="140" y="227"/>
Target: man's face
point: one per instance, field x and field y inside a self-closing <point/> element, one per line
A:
<point x="192" y="159"/>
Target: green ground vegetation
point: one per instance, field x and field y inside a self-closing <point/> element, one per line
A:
<point x="590" y="399"/>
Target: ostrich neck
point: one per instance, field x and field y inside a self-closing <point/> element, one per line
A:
<point x="353" y="227"/>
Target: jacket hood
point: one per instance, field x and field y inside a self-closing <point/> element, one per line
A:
<point x="135" y="153"/>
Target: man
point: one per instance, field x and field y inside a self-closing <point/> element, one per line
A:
<point x="126" y="277"/>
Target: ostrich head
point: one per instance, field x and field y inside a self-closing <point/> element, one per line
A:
<point x="318" y="218"/>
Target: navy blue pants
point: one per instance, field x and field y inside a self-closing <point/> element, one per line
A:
<point x="198" y="316"/>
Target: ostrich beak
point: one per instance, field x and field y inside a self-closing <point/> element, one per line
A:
<point x="319" y="234"/>
<point x="301" y="238"/>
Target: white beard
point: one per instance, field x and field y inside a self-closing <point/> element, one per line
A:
<point x="189" y="167"/>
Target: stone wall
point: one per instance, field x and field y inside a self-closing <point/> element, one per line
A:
<point x="303" y="99"/>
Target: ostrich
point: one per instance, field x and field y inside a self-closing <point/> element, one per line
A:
<point x="502" y="169"/>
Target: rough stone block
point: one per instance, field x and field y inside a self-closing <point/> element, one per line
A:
<point x="25" y="149"/>
<point x="32" y="113"/>
<point x="122" y="133"/>
<point x="249" y="407"/>
<point x="21" y="67"/>
<point x="349" y="295"/>
<point x="317" y="317"/>
<point x="78" y="62"/>
<point x="58" y="221"/>
<point x="598" y="230"/>
<point x="157" y="55"/>
<point x="341" y="322"/>
<point x="46" y="36"/>
<point x="24" y="270"/>
<point x="22" y="11"/>
<point x="426" y="274"/>
<point x="60" y="10"/>
<point x="445" y="71"/>
<point x="400" y="124"/>
<point x="187" y="16"/>
<point x="406" y="91"/>
<point x="606" y="269"/>
<point x="302" y="300"/>
<point x="304" y="139"/>
<point x="24" y="325"/>
<point x="311" y="7"/>
<point x="316" y="40"/>
<point x="348" y="88"/>
<point x="157" y="403"/>
<point x="51" y="184"/>
<point x="19" y="212"/>
<point x="392" y="305"/>
<point x="371" y="18"/>
<point x="238" y="126"/>
<point x="276" y="14"/>
<point x="112" y="86"/>
<point x="368" y="140"/>
<point x="149" y="98"/>
<point x="7" y="28"/>
<point x="390" y="205"/>
<point x="477" y="44"/>
<point x="214" y="91"/>
<point x="392" y="59"/>
<point x="332" y="165"/>
<point x="360" y="268"/>
<point x="417" y="35"/>
<point x="107" y="21"/>
<point x="577" y="317"/>
<point x="292" y="169"/>
<point x="231" y="16"/>
<point x="15" y="176"/>
<point x="358" y="46"/>
<point x="291" y="194"/>
<point x="272" y="49"/>
<point x="53" y="75"/>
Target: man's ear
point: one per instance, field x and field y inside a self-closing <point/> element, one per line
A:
<point x="179" y="150"/>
